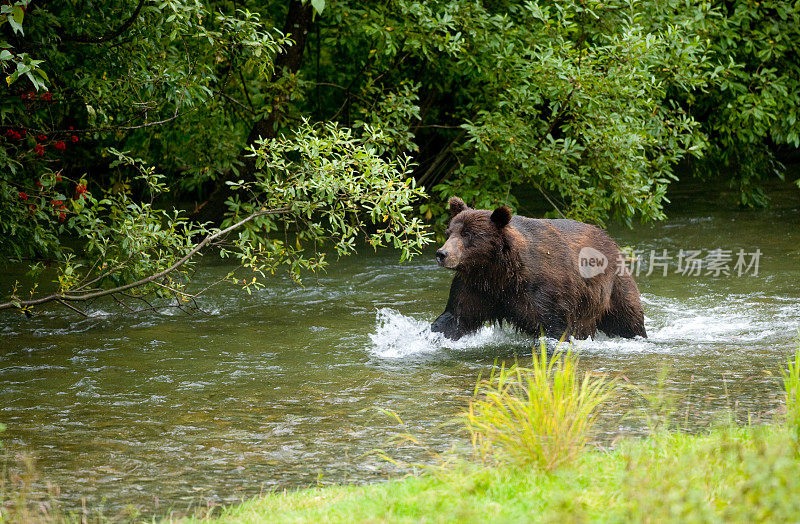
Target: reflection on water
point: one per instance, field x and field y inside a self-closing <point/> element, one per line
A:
<point x="287" y="387"/>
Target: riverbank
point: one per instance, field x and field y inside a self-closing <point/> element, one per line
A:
<point x="730" y="475"/>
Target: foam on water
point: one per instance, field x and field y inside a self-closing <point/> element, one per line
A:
<point x="672" y="326"/>
<point x="397" y="336"/>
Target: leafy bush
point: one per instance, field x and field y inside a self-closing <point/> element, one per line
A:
<point x="332" y="186"/>
<point x="540" y="415"/>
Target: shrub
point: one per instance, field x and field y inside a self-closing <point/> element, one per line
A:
<point x="540" y="415"/>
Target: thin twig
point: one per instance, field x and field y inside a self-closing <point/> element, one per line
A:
<point x="120" y="301"/>
<point x="73" y="308"/>
<point x="113" y="34"/>
<point x="548" y="199"/>
<point x="176" y="291"/>
<point x="149" y="305"/>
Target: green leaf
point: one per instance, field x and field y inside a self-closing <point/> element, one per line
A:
<point x="15" y="19"/>
<point x="319" y="6"/>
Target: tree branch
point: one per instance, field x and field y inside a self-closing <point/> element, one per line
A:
<point x="113" y="34"/>
<point x="66" y="297"/>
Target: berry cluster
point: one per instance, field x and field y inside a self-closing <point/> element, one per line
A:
<point x="47" y="192"/>
<point x="59" y="206"/>
<point x="47" y="96"/>
<point x="41" y="140"/>
<point x="16" y="135"/>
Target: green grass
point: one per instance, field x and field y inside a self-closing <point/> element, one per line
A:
<point x="540" y="415"/>
<point x="791" y="387"/>
<point x="731" y="475"/>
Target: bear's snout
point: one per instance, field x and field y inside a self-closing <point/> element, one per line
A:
<point x="449" y="255"/>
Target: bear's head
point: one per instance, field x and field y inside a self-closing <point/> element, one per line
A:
<point x="474" y="237"/>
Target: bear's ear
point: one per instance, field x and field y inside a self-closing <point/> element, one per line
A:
<point x="456" y="206"/>
<point x="501" y="216"/>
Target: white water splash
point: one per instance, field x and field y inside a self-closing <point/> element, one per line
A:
<point x="672" y="326"/>
<point x="398" y="336"/>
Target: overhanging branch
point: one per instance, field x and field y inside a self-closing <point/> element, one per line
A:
<point x="67" y="297"/>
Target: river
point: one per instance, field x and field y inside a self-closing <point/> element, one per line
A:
<point x="293" y="386"/>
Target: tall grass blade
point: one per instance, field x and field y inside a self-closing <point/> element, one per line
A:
<point x="791" y="384"/>
<point x="540" y="415"/>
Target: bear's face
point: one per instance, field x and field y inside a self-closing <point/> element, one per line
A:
<point x="474" y="237"/>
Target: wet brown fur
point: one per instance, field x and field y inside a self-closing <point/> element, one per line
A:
<point x="525" y="271"/>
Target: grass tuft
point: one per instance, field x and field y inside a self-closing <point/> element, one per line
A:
<point x="791" y="384"/>
<point x="540" y="415"/>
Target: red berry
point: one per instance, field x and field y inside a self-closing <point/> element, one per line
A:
<point x="74" y="138"/>
<point x="39" y="151"/>
<point x="10" y="132"/>
<point x="23" y="195"/>
<point x="59" y="144"/>
<point x="61" y="217"/>
<point x="58" y="178"/>
<point x="41" y="138"/>
<point x="70" y="128"/>
<point x="47" y="96"/>
<point x="38" y="183"/>
<point x="32" y="208"/>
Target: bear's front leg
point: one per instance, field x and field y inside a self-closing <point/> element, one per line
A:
<point x="446" y="324"/>
<point x="454" y="327"/>
<point x="463" y="314"/>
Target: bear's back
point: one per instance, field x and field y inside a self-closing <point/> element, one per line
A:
<point x="567" y="228"/>
<point x="564" y="238"/>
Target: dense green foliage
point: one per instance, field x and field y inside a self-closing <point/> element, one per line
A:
<point x="591" y="104"/>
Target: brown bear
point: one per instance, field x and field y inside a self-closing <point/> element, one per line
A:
<point x="558" y="277"/>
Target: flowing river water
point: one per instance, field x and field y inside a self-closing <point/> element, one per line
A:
<point x="294" y="386"/>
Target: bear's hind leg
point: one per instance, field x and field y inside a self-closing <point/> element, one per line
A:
<point x="625" y="317"/>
